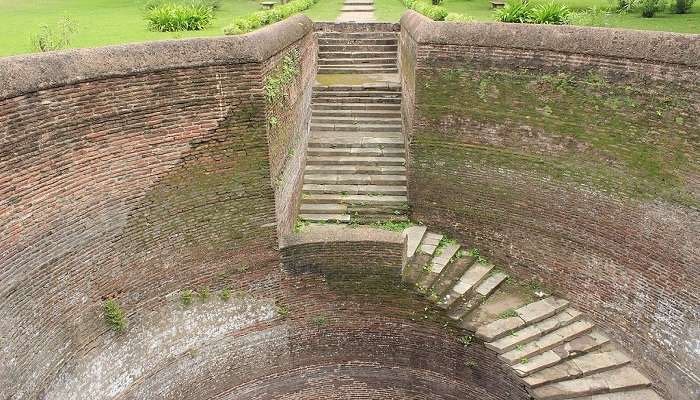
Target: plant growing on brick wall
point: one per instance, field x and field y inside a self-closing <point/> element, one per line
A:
<point x="204" y="294"/>
<point x="276" y="84"/>
<point x="319" y="321"/>
<point x="466" y="340"/>
<point x="225" y="294"/>
<point x="186" y="297"/>
<point x="114" y="316"/>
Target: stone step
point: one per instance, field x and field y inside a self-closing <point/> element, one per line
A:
<point x="355" y="121"/>
<point x="355" y="199"/>
<point x="357" y="41"/>
<point x="319" y="140"/>
<point x="351" y="55"/>
<point x="343" y="160"/>
<point x="364" y="87"/>
<point x="393" y="210"/>
<point x="414" y="235"/>
<point x="357" y="8"/>
<point x="578" y="367"/>
<point x="355" y="179"/>
<point x="357" y="99"/>
<point x="465" y="305"/>
<point x="471" y="278"/>
<point x="362" y="69"/>
<point x="392" y="94"/>
<point x="522" y="354"/>
<point x="358" y="2"/>
<point x="357" y="35"/>
<point x="642" y="394"/>
<point x="325" y="217"/>
<point x="355" y="128"/>
<point x="354" y="189"/>
<point x="581" y="345"/>
<point x="323" y="49"/>
<point x="358" y="113"/>
<point x="323" y="208"/>
<point x="356" y="169"/>
<point x="534" y="331"/>
<point x="526" y="315"/>
<point x="452" y="273"/>
<point x="357" y="61"/>
<point x="355" y="151"/>
<point x="617" y="380"/>
<point x="347" y="106"/>
<point x="430" y="243"/>
<point x="440" y="259"/>
<point x="418" y="266"/>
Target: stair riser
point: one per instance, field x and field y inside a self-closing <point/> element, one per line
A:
<point x="331" y="208"/>
<point x="583" y="375"/>
<point x="357" y="35"/>
<point x="357" y="42"/>
<point x="357" y="206"/>
<point x="372" y="94"/>
<point x="356" y="152"/>
<point x="355" y="121"/>
<point x="339" y="55"/>
<point x="335" y="145"/>
<point x="360" y="88"/>
<point x="356" y="128"/>
<point x="377" y="163"/>
<point x="398" y="191"/>
<point x="355" y="48"/>
<point x="371" y="100"/>
<point x="357" y="61"/>
<point x="359" y="70"/>
<point x="356" y="114"/>
<point x="355" y="106"/>
<point x="369" y="170"/>
<point x="356" y="181"/>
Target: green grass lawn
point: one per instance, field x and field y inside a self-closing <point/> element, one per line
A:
<point x="480" y="10"/>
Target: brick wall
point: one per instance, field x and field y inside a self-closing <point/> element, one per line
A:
<point x="130" y="172"/>
<point x="569" y="155"/>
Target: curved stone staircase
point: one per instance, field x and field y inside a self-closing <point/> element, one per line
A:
<point x="550" y="345"/>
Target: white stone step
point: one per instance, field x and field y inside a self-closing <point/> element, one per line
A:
<point x="617" y="380"/>
<point x="323" y="208"/>
<point x="439" y="261"/>
<point x="355" y="151"/>
<point x="430" y="243"/>
<point x="547" y="342"/>
<point x="535" y="331"/>
<point x="355" y="179"/>
<point x="354" y="189"/>
<point x="481" y="293"/>
<point x="581" y="345"/>
<point x="471" y="279"/>
<point x="414" y="235"/>
<point x="325" y="217"/>
<point x="356" y="169"/>
<point x="359" y="161"/>
<point x="356" y="141"/>
<point x="526" y="315"/>
<point x="355" y="199"/>
<point x="345" y="105"/>
<point x="578" y="367"/>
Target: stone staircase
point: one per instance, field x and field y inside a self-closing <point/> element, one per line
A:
<point x="549" y="344"/>
<point x="357" y="11"/>
<point x="357" y="52"/>
<point x="355" y="162"/>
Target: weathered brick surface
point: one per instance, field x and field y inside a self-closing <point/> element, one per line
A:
<point x="131" y="180"/>
<point x="572" y="158"/>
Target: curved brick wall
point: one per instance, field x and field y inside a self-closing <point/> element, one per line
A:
<point x="571" y="155"/>
<point x="133" y="172"/>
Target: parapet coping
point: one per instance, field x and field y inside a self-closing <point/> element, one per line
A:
<point x="321" y="234"/>
<point x="648" y="46"/>
<point x="30" y="73"/>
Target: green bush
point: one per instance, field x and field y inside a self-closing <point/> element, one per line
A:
<point x="515" y="11"/>
<point x="683" y="6"/>
<point x="551" y="13"/>
<point x="114" y="316"/>
<point x="455" y="17"/>
<point x="261" y="18"/>
<point x="172" y="17"/>
<point x="55" y="38"/>
<point x="434" y="12"/>
<point x="649" y="8"/>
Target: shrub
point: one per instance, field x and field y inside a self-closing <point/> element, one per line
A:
<point x="592" y="17"/>
<point x="261" y="18"/>
<point x="434" y="12"/>
<point x="515" y="11"/>
<point x="626" y="5"/>
<point x="171" y="17"/>
<point x="551" y="13"/>
<point x="651" y="7"/>
<point x="114" y="316"/>
<point x="55" y="38"/>
<point x="436" y="2"/>
<point x="683" y="6"/>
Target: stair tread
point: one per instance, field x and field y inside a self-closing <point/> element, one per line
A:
<point x="356" y="151"/>
<point x="527" y="314"/>
<point x="325" y="217"/>
<point x="353" y="189"/>
<point x="357" y="169"/>
<point x="471" y="278"/>
<point x="356" y="160"/>
<point x="323" y="208"/>
<point x="586" y="364"/>
<point x="614" y="380"/>
<point x="547" y="342"/>
<point x="355" y="179"/>
<point x="581" y="345"/>
<point x="534" y="331"/>
<point x="354" y="198"/>
<point x="439" y="261"/>
<point x="414" y="235"/>
<point x="430" y="243"/>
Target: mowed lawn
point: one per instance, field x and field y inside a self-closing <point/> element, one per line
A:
<point x="103" y="22"/>
<point x="480" y="10"/>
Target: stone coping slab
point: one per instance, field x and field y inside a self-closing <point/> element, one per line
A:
<point x="646" y="46"/>
<point x="34" y="72"/>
